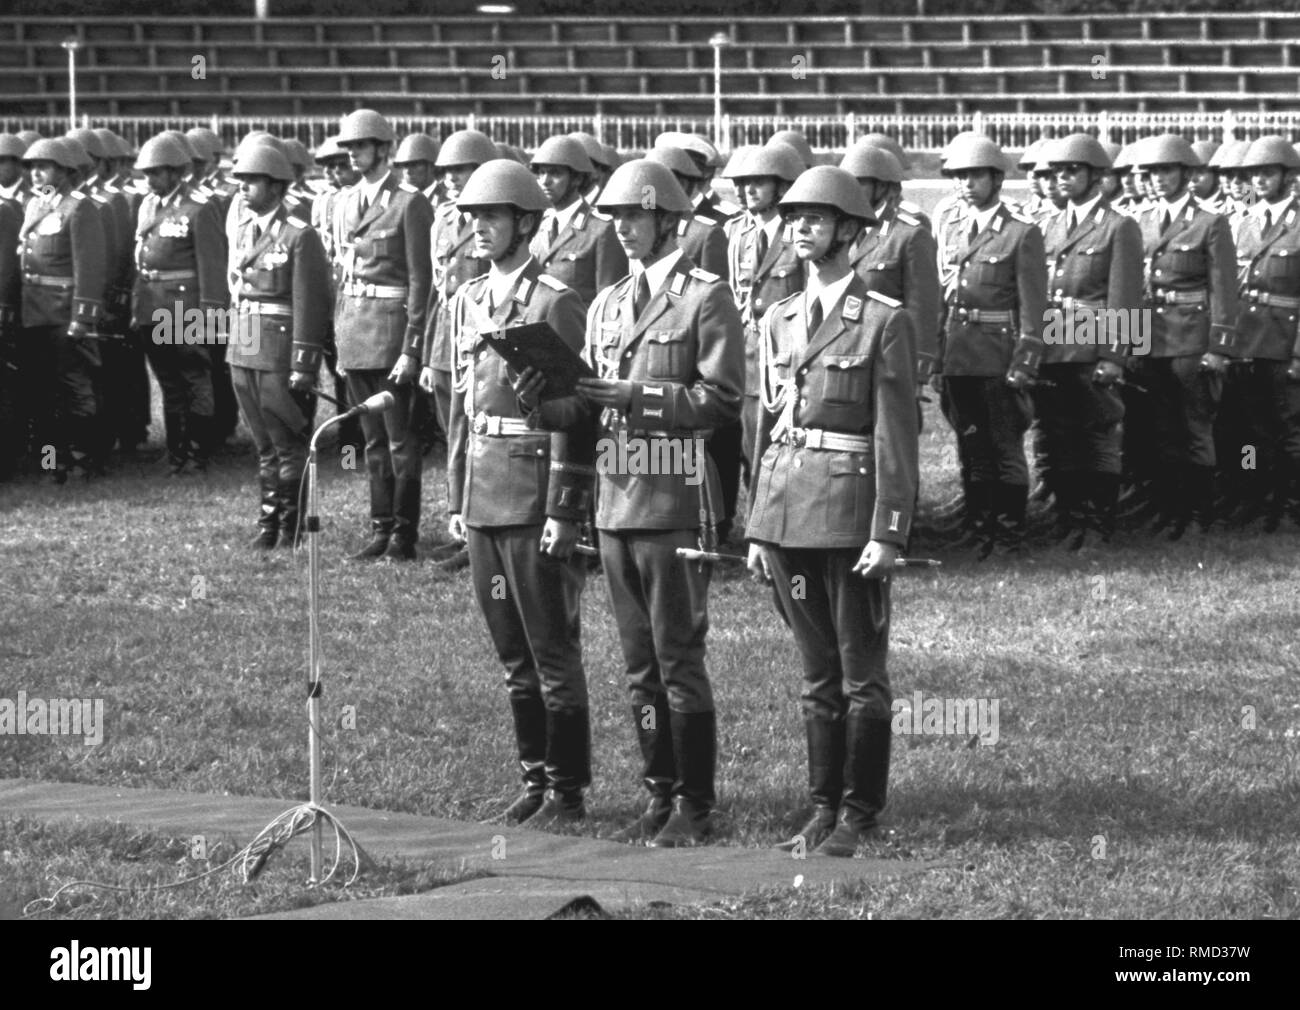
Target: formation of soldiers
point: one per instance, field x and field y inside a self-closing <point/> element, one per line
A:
<point x="1138" y="312"/>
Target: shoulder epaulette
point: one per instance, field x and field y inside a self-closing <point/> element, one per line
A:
<point x="701" y="274"/>
<point x="406" y="187"/>
<point x="907" y="218"/>
<point x="909" y="206"/>
<point x="706" y="220"/>
<point x="893" y="303"/>
<point x="198" y="197"/>
<point x="77" y="194"/>
<point x="1022" y="218"/>
<point x="295" y="222"/>
<point x="99" y="198"/>
<point x="600" y="216"/>
<point x="728" y="208"/>
<point x="552" y="282"/>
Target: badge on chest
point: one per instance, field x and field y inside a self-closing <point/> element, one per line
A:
<point x="51" y="224"/>
<point x="174" y="227"/>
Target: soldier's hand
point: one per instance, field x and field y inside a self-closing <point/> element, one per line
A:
<point x="1293" y="373"/>
<point x="78" y="330"/>
<point x="936" y="381"/>
<point x="1107" y="373"/>
<point x="1018" y="379"/>
<point x="340" y="371"/>
<point x="759" y="563"/>
<point x="300" y="381"/>
<point x="404" y="371"/>
<point x="528" y="388"/>
<point x="877" y="561"/>
<point x="616" y="393"/>
<point x="1216" y="363"/>
<point x="456" y="527"/>
<point x="426" y="379"/>
<point x="558" y="538"/>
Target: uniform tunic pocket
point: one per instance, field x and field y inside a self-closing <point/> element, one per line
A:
<point x="666" y="353"/>
<point x="846" y="378"/>
<point x="848" y="498"/>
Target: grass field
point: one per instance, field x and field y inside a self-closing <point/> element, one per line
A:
<point x="1146" y="758"/>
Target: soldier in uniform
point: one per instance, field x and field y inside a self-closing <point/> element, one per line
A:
<point x="601" y="160"/>
<point x="991" y="342"/>
<point x="764" y="267"/>
<point x="379" y="323"/>
<point x="572" y="244"/>
<point x="1268" y="258"/>
<point x="281" y="321"/>
<point x="1205" y="180"/>
<point x="180" y="261"/>
<point x="666" y="343"/>
<point x="519" y="480"/>
<point x="1094" y="275"/>
<point x="13" y="184"/>
<point x="13" y="426"/>
<point x="1192" y="296"/>
<point x="65" y="266"/>
<point x="708" y="203"/>
<point x="890" y="193"/>
<point x="699" y="237"/>
<point x="833" y="500"/>
<point x="207" y="168"/>
<point x="798" y="142"/>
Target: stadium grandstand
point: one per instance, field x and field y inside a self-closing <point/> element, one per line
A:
<point x="914" y="70"/>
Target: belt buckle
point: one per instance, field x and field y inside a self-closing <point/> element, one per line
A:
<point x="480" y="423"/>
<point x="963" y="313"/>
<point x="798" y="437"/>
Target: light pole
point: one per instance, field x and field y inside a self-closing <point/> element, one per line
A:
<point x="717" y="41"/>
<point x="72" y="44"/>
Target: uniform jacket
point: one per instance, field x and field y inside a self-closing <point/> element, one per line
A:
<point x="1195" y="254"/>
<point x="11" y="274"/>
<point x="1268" y="263"/>
<point x="585" y="255"/>
<point x="323" y="213"/>
<point x="298" y="201"/>
<point x="1098" y="265"/>
<point x="62" y="236"/>
<point x="121" y="277"/>
<point x="513" y="480"/>
<point x="1003" y="270"/>
<point x="716" y="209"/>
<point x="685" y="357"/>
<point x="760" y="285"/>
<point x="388" y="247"/>
<point x="854" y="376"/>
<point x="284" y="269"/>
<point x="183" y="240"/>
<point x="109" y="220"/>
<point x="897" y="257"/>
<point x="454" y="263"/>
<point x="705" y="243"/>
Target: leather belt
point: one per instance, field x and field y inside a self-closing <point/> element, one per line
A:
<point x="356" y="289"/>
<point x="501" y="427"/>
<point x="168" y="275"/>
<point x="1268" y="298"/>
<point x="1071" y="304"/>
<point x="253" y="307"/>
<point x="984" y="315"/>
<point x="1180" y="297"/>
<point x="46" y="281"/>
<point x="828" y="441"/>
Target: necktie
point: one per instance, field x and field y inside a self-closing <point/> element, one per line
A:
<point x="365" y="204"/>
<point x="641" y="295"/>
<point x="1074" y="223"/>
<point x="553" y="232"/>
<point x="814" y="317"/>
<point x="1164" y="223"/>
<point x="760" y="250"/>
<point x="1268" y="220"/>
<point x="974" y="230"/>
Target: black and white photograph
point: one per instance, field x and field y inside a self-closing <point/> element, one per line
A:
<point x="567" y="459"/>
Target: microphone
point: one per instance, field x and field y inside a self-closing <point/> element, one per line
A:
<point x="376" y="404"/>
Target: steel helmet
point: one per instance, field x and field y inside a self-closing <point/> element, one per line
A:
<point x="205" y="141"/>
<point x="779" y="161"/>
<point x="329" y="150"/>
<point x="1229" y="155"/>
<point x="865" y="162"/>
<point x="263" y="159"/>
<point x="1078" y="149"/>
<point x="565" y="151"/>
<point x="163" y="151"/>
<point x="826" y="186"/>
<point x="29" y="136"/>
<point x="796" y="140"/>
<point x="1273" y="150"/>
<point x="739" y="156"/>
<point x="1165" y="149"/>
<point x="1123" y="162"/>
<point x="415" y="147"/>
<point x="89" y="140"/>
<point x="299" y="156"/>
<point x="1205" y="150"/>
<point x="1112" y="150"/>
<point x="692" y="143"/>
<point x="677" y="160"/>
<point x="974" y="150"/>
<point x="503" y="181"/>
<point x="594" y="148"/>
<point x="645" y="183"/>
<point x="612" y="158"/>
<point x="365" y="124"/>
<point x="181" y="139"/>
<point x="466" y="147"/>
<point x="50" y="150"/>
<point x="79" y="154"/>
<point x="12" y="146"/>
<point x="884" y="142"/>
<point x="113" y="145"/>
<point x="251" y="140"/>
<point x="958" y="139"/>
<point x="1029" y="157"/>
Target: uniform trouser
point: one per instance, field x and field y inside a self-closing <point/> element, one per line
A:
<point x="442" y="399"/>
<point x="749" y="415"/>
<point x="1079" y="421"/>
<point x="225" y="411"/>
<point x="1291" y="424"/>
<point x="990" y="419"/>
<point x="392" y="453"/>
<point x="841" y="626"/>
<point x="661" y="606"/>
<point x="184" y="371"/>
<point x="58" y="390"/>
<point x="126" y="389"/>
<point x="349" y="430"/>
<point x="531" y="602"/>
<point x="280" y="421"/>
<point x="1183" y="400"/>
<point x="725" y="449"/>
<point x="1255" y="404"/>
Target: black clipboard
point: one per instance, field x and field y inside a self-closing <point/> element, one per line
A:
<point x="539" y="346"/>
